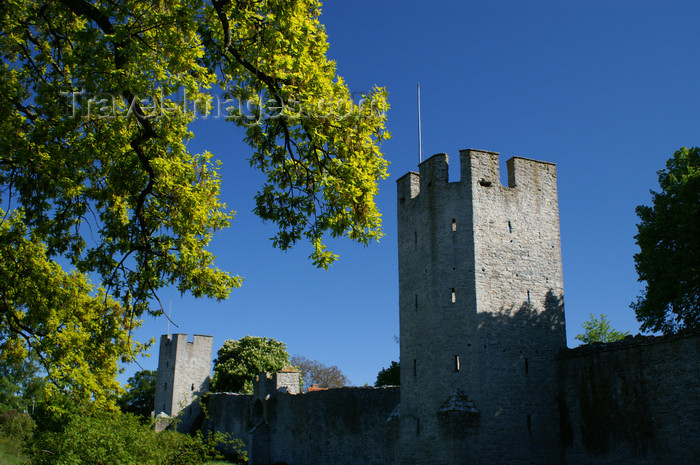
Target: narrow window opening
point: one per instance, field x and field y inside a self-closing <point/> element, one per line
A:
<point x="454" y="296"/>
<point x="416" y="301"/>
<point x="529" y="424"/>
<point x="528" y="297"/>
<point x="417" y="426"/>
<point x="527" y="367"/>
<point x="415" y="237"/>
<point x="415" y="367"/>
<point x="192" y="388"/>
<point x="165" y="387"/>
<point x="454" y="224"/>
<point x="510" y="227"/>
<point x="456" y="362"/>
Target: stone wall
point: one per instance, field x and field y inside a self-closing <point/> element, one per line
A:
<point x="636" y="401"/>
<point x="346" y="426"/>
<point x="229" y="413"/>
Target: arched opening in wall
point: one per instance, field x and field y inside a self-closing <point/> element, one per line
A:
<point x="258" y="412"/>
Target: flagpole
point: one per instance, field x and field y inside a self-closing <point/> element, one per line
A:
<point x="420" y="137"/>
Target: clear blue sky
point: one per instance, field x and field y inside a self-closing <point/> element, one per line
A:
<point x="607" y="90"/>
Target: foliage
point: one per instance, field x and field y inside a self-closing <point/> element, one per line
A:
<point x="239" y="361"/>
<point x="140" y="395"/>
<point x="20" y="384"/>
<point x="390" y="376"/>
<point x="97" y="183"/>
<point x="121" y="439"/>
<point x="669" y="243"/>
<point x="315" y="372"/>
<point x="599" y="330"/>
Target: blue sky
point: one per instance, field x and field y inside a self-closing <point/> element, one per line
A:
<point x="607" y="90"/>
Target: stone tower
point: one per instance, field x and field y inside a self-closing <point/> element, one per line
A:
<point x="481" y="312"/>
<point x="184" y="370"/>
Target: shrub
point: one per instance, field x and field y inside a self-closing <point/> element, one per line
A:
<point x="115" y="438"/>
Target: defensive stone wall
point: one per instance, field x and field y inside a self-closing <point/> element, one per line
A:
<point x="346" y="426"/>
<point x="636" y="401"/>
<point x="229" y="413"/>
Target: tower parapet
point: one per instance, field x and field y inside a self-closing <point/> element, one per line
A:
<point x="481" y="308"/>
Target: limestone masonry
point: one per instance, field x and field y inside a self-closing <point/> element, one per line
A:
<point x="486" y="377"/>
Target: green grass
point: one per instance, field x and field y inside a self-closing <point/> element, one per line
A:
<point x="7" y="455"/>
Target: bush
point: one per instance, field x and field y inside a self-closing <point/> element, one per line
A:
<point x="115" y="438"/>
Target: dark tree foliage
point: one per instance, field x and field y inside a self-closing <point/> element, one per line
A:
<point x="669" y="241"/>
<point x="315" y="372"/>
<point x="390" y="376"/>
<point x="140" y="395"/>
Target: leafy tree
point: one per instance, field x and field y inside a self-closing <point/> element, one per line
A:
<point x="599" y="330"/>
<point x="97" y="183"/>
<point x="669" y="243"/>
<point x="390" y="376"/>
<point x="140" y="394"/>
<point x="315" y="372"/>
<point x="238" y="362"/>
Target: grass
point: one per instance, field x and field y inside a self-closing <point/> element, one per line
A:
<point x="8" y="456"/>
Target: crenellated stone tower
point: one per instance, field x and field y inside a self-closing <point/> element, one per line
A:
<point x="481" y="312"/>
<point x="184" y="370"/>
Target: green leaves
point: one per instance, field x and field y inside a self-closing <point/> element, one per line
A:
<point x="97" y="183"/>
<point x="669" y="242"/>
<point x="599" y="330"/>
<point x="239" y="361"/>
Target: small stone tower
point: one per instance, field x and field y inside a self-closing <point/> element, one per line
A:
<point x="184" y="370"/>
<point x="481" y="312"/>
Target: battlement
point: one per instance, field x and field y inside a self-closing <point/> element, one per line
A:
<point x="181" y="339"/>
<point x="478" y="167"/>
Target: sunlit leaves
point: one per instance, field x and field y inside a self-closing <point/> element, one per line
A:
<point x="239" y="362"/>
<point x="97" y="183"/>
